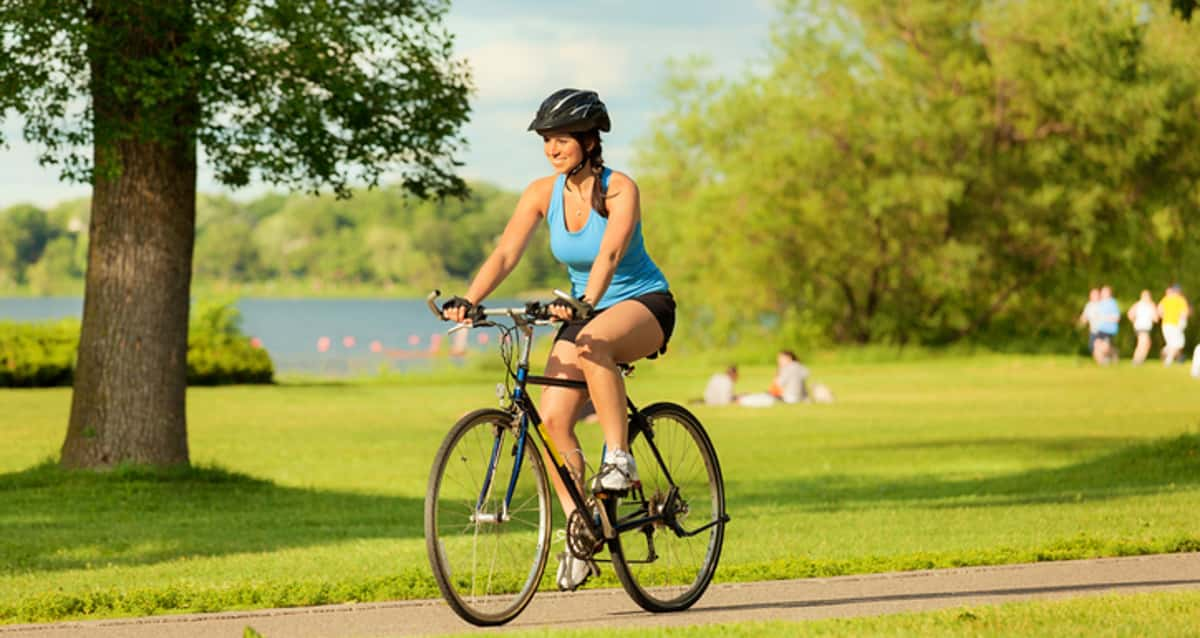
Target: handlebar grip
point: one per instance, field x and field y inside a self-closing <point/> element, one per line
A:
<point x="430" y="301"/>
<point x="571" y="301"/>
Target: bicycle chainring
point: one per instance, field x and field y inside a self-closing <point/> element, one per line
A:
<point x="581" y="541"/>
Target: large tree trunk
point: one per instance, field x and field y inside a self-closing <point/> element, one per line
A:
<point x="131" y="375"/>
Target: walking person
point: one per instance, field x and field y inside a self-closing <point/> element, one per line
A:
<point x="1090" y="317"/>
<point x="594" y="218"/>
<point x="1109" y="323"/>
<point x="1143" y="315"/>
<point x="1173" y="308"/>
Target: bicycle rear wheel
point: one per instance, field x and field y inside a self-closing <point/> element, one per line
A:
<point x="660" y="565"/>
<point x="487" y="561"/>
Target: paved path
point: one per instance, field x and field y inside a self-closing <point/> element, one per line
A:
<point x="773" y="600"/>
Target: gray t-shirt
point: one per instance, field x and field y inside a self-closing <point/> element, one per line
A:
<point x="791" y="382"/>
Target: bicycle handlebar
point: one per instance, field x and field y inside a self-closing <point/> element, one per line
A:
<point x="535" y="311"/>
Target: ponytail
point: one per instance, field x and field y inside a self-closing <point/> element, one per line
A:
<point x="594" y="160"/>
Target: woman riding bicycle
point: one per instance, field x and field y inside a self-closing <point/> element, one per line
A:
<point x="594" y="216"/>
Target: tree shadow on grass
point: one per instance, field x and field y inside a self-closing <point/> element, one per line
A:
<point x="52" y="519"/>
<point x="1015" y="445"/>
<point x="1144" y="468"/>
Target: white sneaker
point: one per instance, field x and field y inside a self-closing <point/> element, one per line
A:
<point x="572" y="572"/>
<point x="617" y="473"/>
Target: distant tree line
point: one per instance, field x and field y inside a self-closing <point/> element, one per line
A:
<point x="929" y="173"/>
<point x="380" y="237"/>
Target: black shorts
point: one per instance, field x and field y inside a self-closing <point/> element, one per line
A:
<point x="660" y="304"/>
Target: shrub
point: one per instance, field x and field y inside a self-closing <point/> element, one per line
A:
<point x="223" y="360"/>
<point x="218" y="352"/>
<point x="43" y="355"/>
<point x="38" y="355"/>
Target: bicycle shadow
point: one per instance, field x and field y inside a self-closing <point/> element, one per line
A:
<point x="52" y="519"/>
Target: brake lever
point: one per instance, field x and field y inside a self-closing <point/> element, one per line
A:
<point x="431" y="301"/>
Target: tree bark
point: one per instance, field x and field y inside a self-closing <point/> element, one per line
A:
<point x="131" y="376"/>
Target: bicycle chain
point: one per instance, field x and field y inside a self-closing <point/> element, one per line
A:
<point x="580" y="541"/>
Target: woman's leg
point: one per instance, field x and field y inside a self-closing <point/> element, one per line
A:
<point x="624" y="332"/>
<point x="558" y="408"/>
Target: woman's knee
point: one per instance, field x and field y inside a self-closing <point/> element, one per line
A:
<point x="558" y="422"/>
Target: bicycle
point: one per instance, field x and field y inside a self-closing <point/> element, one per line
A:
<point x="488" y="508"/>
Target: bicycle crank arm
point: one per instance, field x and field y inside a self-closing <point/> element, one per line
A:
<point x="606" y="525"/>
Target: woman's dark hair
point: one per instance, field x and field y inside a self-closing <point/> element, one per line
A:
<point x="594" y="161"/>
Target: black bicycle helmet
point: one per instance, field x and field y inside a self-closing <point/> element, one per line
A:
<point x="570" y="111"/>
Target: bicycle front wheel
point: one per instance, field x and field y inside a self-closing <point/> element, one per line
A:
<point x="666" y="565"/>
<point x="487" y="558"/>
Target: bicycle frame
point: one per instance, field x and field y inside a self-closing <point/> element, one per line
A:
<point x="522" y="405"/>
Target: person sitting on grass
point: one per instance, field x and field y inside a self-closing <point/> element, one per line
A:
<point x="790" y="384"/>
<point x="791" y="378"/>
<point x="719" y="390"/>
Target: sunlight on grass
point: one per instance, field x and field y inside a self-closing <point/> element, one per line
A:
<point x="308" y="493"/>
<point x="1162" y="615"/>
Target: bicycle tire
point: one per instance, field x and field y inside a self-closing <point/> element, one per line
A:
<point x="671" y="587"/>
<point x="450" y="504"/>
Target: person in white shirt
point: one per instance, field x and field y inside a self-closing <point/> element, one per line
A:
<point x="719" y="390"/>
<point x="1143" y="315"/>
<point x="1091" y="317"/>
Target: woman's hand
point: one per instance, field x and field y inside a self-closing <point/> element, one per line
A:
<point x="458" y="309"/>
<point x="563" y="311"/>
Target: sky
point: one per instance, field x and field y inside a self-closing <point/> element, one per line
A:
<point x="520" y="51"/>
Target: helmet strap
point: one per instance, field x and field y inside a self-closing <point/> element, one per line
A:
<point x="578" y="167"/>
<point x="581" y="138"/>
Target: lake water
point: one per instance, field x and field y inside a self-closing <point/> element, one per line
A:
<point x="321" y="336"/>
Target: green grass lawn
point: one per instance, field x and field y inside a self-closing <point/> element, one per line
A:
<point x="312" y="493"/>
<point x="1160" y="614"/>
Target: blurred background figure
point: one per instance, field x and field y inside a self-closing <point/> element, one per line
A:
<point x="789" y="385"/>
<point x="1143" y="315"/>
<point x="1108" y="313"/>
<point x="791" y="378"/>
<point x="719" y="390"/>
<point x="1091" y="318"/>
<point x="1173" y="309"/>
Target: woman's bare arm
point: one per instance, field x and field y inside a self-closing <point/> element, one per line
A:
<point x="530" y="210"/>
<point x="624" y="212"/>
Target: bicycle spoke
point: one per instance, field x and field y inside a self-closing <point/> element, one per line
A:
<point x="488" y="566"/>
<point x="682" y="566"/>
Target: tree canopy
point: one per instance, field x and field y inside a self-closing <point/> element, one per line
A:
<point x="927" y="172"/>
<point x="296" y="93"/>
<point x="304" y="94"/>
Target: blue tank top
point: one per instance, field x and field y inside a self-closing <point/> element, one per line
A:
<point x="635" y="275"/>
